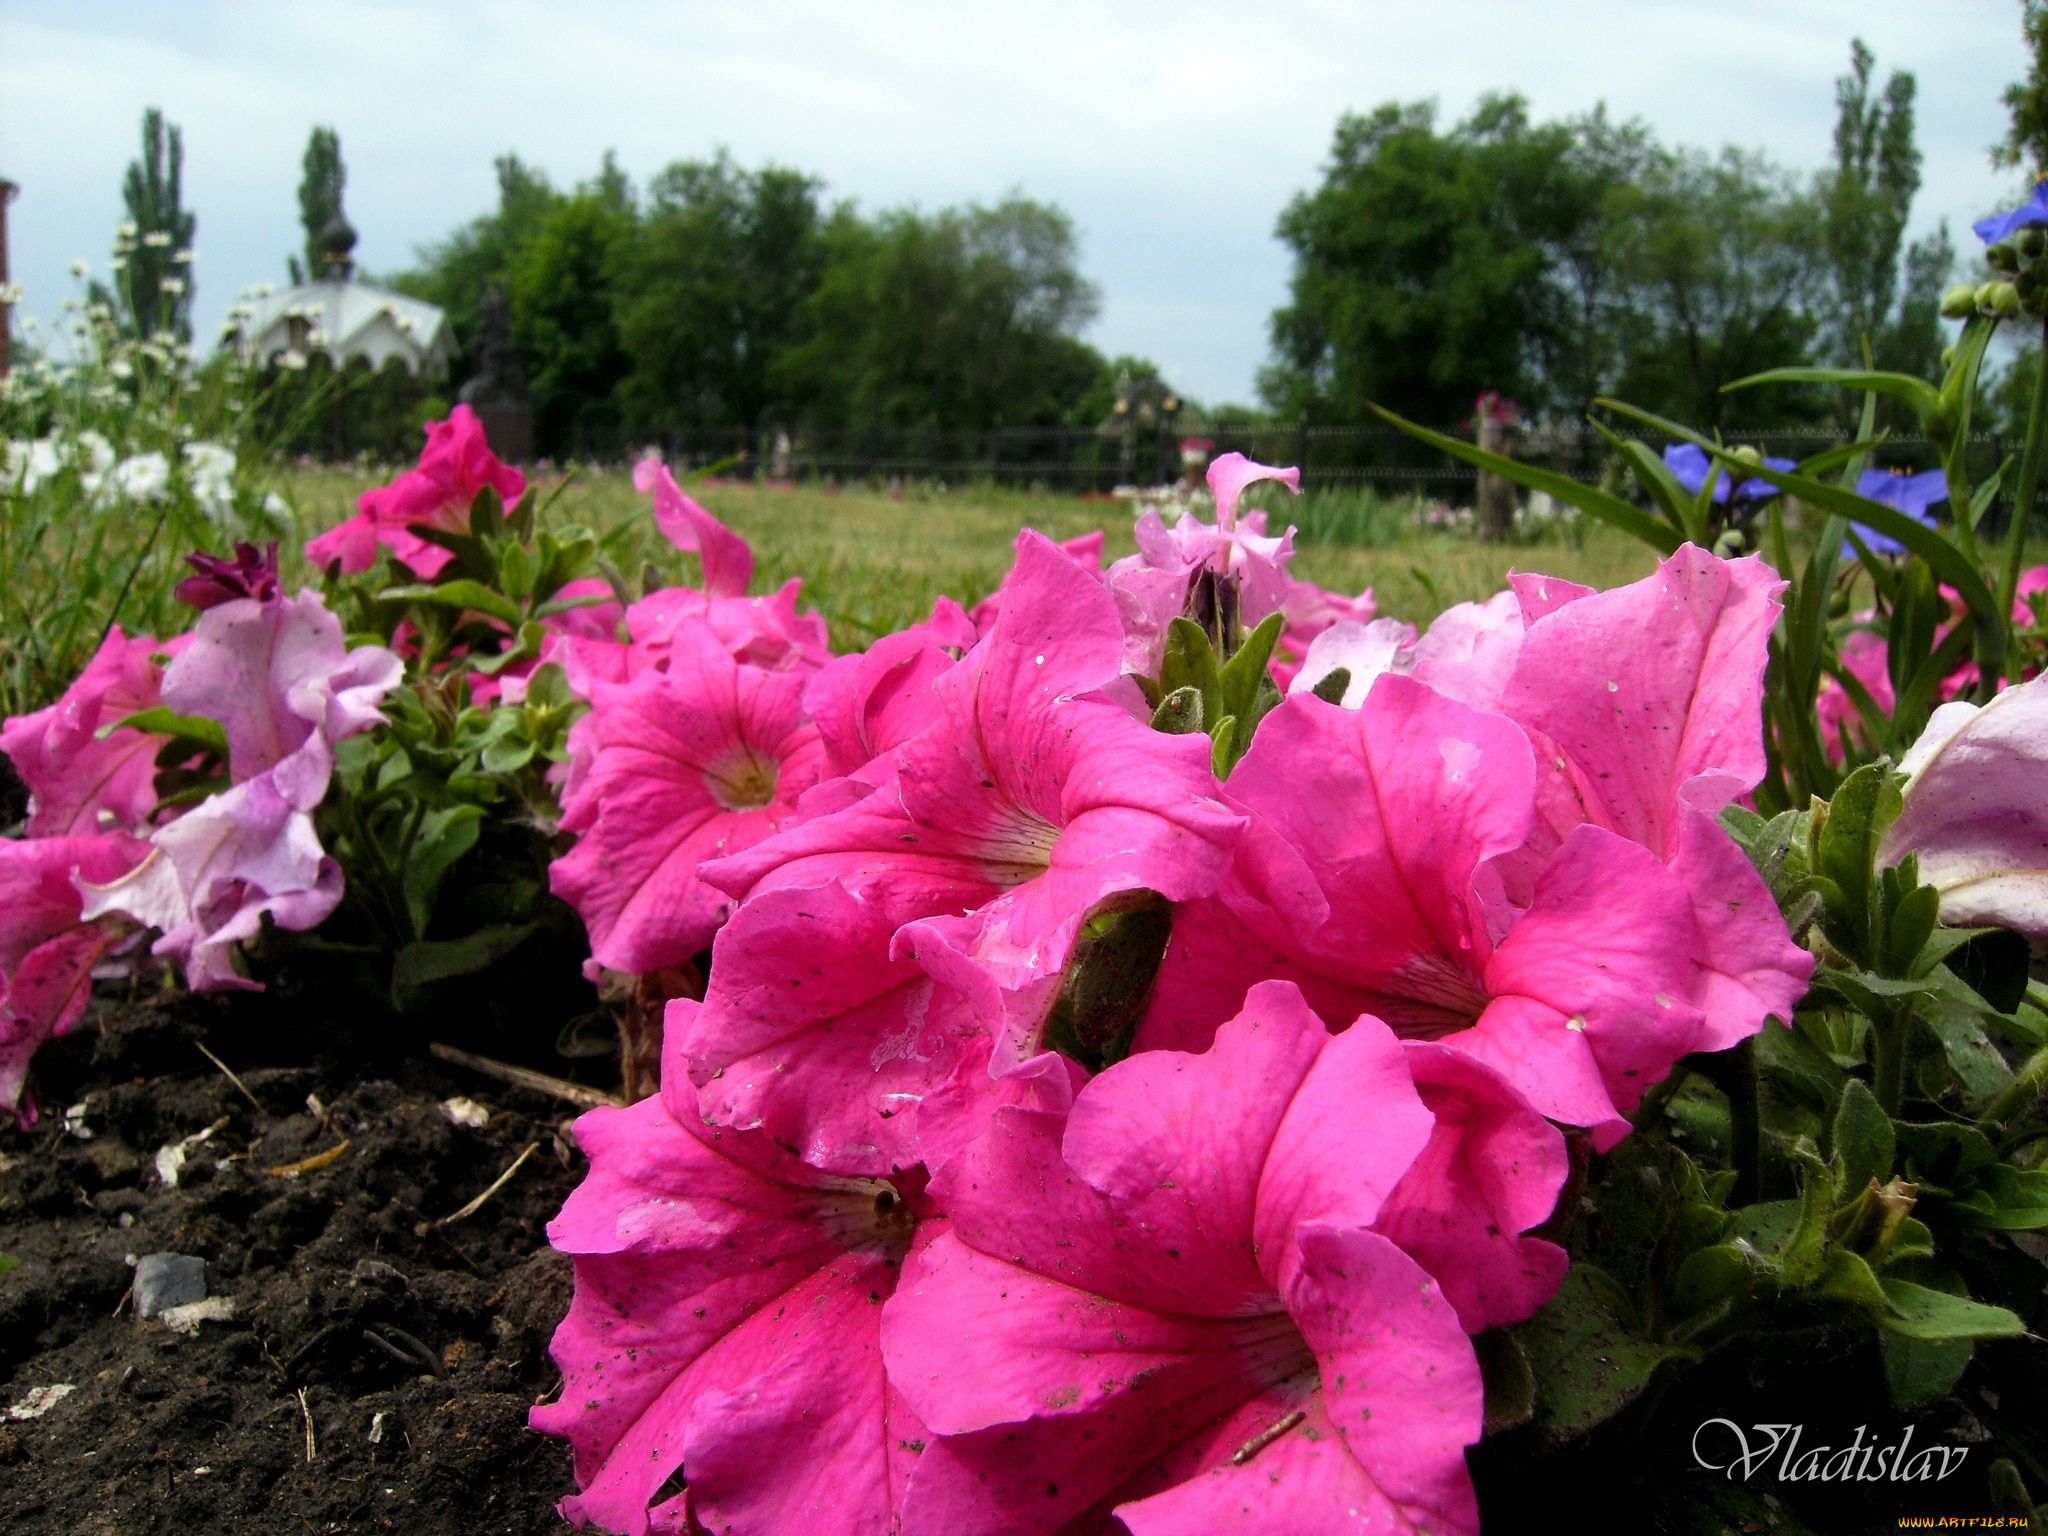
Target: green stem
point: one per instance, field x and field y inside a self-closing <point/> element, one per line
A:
<point x="2027" y="1085"/>
<point x="2023" y="498"/>
<point x="1888" y="1060"/>
<point x="1734" y="1073"/>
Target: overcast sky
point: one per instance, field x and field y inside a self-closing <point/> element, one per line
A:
<point x="1173" y="134"/>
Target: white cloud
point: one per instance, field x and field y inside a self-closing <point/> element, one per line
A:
<point x="1174" y="134"/>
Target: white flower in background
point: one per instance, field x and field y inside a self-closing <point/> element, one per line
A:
<point x="77" y="267"/>
<point x="121" y="368"/>
<point x="157" y="239"/>
<point x="29" y="464"/>
<point x="293" y="359"/>
<point x="119" y="263"/>
<point x="184" y="258"/>
<point x="211" y="470"/>
<point x="143" y="477"/>
<point x="95" y="458"/>
<point x="125" y="230"/>
<point x="172" y="285"/>
<point x="263" y="290"/>
<point x="10" y="293"/>
<point x="316" y="337"/>
<point x="275" y="506"/>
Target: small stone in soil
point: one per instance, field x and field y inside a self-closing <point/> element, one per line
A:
<point x="166" y="1280"/>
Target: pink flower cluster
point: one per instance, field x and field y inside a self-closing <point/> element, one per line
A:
<point x="879" y="1259"/>
<point x="102" y="857"/>
<point x="456" y="463"/>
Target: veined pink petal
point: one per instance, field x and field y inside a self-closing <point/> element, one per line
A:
<point x="1084" y="549"/>
<point x="725" y="1322"/>
<point x="1491" y="1171"/>
<point x="1653" y="691"/>
<point x="1363" y="650"/>
<point x="1231" y="473"/>
<point x="76" y="780"/>
<point x="275" y="674"/>
<point x="684" y="766"/>
<point x="353" y="543"/>
<point x="1115" y="1295"/>
<point x="1470" y="650"/>
<point x="1750" y="969"/>
<point x="1030" y="797"/>
<point x="453" y="467"/>
<point x="47" y="948"/>
<point x="728" y="561"/>
<point x="867" y="703"/>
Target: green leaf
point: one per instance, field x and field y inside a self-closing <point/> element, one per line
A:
<point x="462" y="593"/>
<point x="553" y="606"/>
<point x="1992" y="962"/>
<point x="2009" y="1496"/>
<point x="1223" y="753"/>
<point x="1510" y="1383"/>
<point x="1609" y="509"/>
<point x="1912" y="923"/>
<point x="486" y="514"/>
<point x="8" y="1262"/>
<point x="1241" y="675"/>
<point x="1803" y="1258"/>
<point x="1796" y="1063"/>
<point x="1714" y="1275"/>
<point x="1331" y="685"/>
<point x="1920" y="1372"/>
<point x="1656" y="478"/>
<point x="1862" y="1141"/>
<point x="1949" y="562"/>
<point x="1848" y="1279"/>
<point x="445" y="835"/>
<point x="1956" y="1015"/>
<point x="2021" y="1196"/>
<point x="1179" y="713"/>
<point x="1920" y="1313"/>
<point x="1108" y="978"/>
<point x="1190" y="662"/>
<point x="163" y="721"/>
<point x="1587" y="1355"/>
<point x="1917" y="395"/>
<point x="1844" y="852"/>
<point x="418" y="966"/>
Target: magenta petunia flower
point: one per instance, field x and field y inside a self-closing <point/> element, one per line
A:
<point x="726" y="1324"/>
<point x="1309" y="612"/>
<point x="875" y="700"/>
<point x="728" y="560"/>
<point x="47" y="947"/>
<point x="1171" y="1301"/>
<point x="1084" y="549"/>
<point x="1035" y="793"/>
<point x="1365" y="877"/>
<point x="684" y="765"/>
<point x="455" y="464"/>
<point x="78" y="782"/>
<point x="251" y="573"/>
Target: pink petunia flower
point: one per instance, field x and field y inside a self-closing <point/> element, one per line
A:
<point x="1309" y="611"/>
<point x="728" y="560"/>
<point x="870" y="702"/>
<point x="727" y="1324"/>
<point x="453" y="467"/>
<point x="1152" y="586"/>
<point x="1365" y="877"/>
<point x="685" y="765"/>
<point x="1084" y="549"/>
<point x="1172" y="1301"/>
<point x="78" y="782"/>
<point x="47" y="947"/>
<point x="1035" y="793"/>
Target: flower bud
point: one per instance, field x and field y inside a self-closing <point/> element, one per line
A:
<point x="1984" y="292"/>
<point x="1748" y="455"/>
<point x="2031" y="243"/>
<point x="2005" y="299"/>
<point x="1959" y="303"/>
<point x="2002" y="257"/>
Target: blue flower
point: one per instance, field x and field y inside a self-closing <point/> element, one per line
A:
<point x="2033" y="211"/>
<point x="1688" y="465"/>
<point x="1910" y="494"/>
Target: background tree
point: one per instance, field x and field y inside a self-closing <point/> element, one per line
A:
<point x="454" y="272"/>
<point x="2026" y="101"/>
<point x="153" y="265"/>
<point x="563" y="300"/>
<point x="960" y="319"/>
<point x="708" y="296"/>
<point x="320" y="189"/>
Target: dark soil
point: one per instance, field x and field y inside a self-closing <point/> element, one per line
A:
<point x="210" y="1433"/>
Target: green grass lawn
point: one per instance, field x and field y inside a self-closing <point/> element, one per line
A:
<point x="873" y="562"/>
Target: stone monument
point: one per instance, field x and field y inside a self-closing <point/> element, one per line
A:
<point x="498" y="392"/>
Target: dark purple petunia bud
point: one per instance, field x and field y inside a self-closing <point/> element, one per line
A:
<point x="219" y="581"/>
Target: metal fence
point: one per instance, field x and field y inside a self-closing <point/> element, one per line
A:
<point x="1081" y="460"/>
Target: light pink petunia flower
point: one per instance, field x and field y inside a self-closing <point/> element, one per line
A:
<point x="282" y="682"/>
<point x="1976" y="811"/>
<point x="453" y="467"/>
<point x="47" y="947"/>
<point x="1034" y="794"/>
<point x="726" y="1324"/>
<point x="684" y="765"/>
<point x="78" y="782"/>
<point x="1172" y="1299"/>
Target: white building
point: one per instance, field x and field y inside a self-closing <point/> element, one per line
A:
<point x="343" y="319"/>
